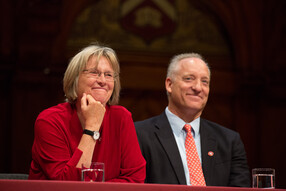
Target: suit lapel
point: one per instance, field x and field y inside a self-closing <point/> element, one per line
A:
<point x="208" y="149"/>
<point x="166" y="138"/>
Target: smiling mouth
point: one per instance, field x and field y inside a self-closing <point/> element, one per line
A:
<point x="195" y="96"/>
<point x="98" y="88"/>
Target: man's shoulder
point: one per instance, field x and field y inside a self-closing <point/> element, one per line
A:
<point x="215" y="127"/>
<point x="147" y="122"/>
<point x="150" y="123"/>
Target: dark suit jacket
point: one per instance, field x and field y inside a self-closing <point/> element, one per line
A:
<point x="227" y="167"/>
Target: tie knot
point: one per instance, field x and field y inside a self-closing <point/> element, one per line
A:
<point x="188" y="128"/>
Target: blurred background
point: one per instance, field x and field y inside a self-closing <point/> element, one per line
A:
<point x="243" y="41"/>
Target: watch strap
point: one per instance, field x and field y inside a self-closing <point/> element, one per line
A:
<point x="88" y="132"/>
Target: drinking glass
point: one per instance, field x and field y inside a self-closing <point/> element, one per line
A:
<point x="93" y="172"/>
<point x="263" y="178"/>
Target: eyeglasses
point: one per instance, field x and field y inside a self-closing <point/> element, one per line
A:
<point x="109" y="76"/>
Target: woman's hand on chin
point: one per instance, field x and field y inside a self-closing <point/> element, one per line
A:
<point x="93" y="112"/>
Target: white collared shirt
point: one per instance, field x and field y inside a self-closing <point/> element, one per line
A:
<point x="177" y="125"/>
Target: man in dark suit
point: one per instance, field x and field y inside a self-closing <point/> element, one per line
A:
<point x="162" y="138"/>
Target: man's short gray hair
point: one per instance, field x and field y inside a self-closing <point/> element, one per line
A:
<point x="177" y="58"/>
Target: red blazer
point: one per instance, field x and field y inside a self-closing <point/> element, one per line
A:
<point x="57" y="135"/>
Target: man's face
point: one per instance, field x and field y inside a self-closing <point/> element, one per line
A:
<point x="189" y="87"/>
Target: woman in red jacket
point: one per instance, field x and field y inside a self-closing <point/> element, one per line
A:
<point x="63" y="133"/>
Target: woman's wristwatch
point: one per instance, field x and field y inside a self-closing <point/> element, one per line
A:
<point x="95" y="134"/>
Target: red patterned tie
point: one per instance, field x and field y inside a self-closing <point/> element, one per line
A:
<point x="193" y="160"/>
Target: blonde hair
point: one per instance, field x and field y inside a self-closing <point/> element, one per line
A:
<point x="78" y="64"/>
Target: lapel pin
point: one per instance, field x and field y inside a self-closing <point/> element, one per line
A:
<point x="210" y="153"/>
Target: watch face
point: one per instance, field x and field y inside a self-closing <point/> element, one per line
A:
<point x="96" y="135"/>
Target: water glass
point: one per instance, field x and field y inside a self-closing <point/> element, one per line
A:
<point x="263" y="178"/>
<point x="93" y="172"/>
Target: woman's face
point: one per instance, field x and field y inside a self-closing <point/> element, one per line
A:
<point x="99" y="86"/>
